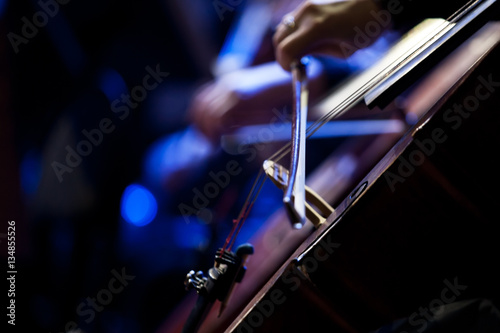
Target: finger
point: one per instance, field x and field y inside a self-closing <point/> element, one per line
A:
<point x="294" y="47"/>
<point x="283" y="30"/>
<point x="199" y="110"/>
<point x="211" y="111"/>
<point x="291" y="42"/>
<point x="290" y="22"/>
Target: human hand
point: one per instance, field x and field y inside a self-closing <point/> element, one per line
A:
<point x="330" y="28"/>
<point x="247" y="97"/>
<point x="239" y="98"/>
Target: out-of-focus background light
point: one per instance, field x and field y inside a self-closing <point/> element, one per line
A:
<point x="138" y="205"/>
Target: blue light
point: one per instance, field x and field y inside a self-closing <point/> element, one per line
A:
<point x="138" y="205"/>
<point x="193" y="235"/>
<point x="31" y="171"/>
<point x="3" y="4"/>
<point x="111" y="84"/>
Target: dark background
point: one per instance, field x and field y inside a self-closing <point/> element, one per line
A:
<point x="71" y="236"/>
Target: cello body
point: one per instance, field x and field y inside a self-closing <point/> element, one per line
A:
<point x="410" y="237"/>
<point x="416" y="234"/>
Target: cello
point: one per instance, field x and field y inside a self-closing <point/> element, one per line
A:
<point x="416" y="232"/>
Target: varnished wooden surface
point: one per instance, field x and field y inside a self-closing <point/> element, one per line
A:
<point x="402" y="239"/>
<point x="399" y="240"/>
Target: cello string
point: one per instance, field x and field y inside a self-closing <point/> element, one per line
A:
<point x="245" y="210"/>
<point x="261" y="180"/>
<point x="344" y="106"/>
<point x="354" y="97"/>
<point x="372" y="82"/>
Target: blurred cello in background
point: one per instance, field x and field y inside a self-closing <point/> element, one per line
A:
<point x="411" y="242"/>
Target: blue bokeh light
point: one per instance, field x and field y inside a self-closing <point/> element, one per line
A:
<point x="138" y="205"/>
<point x="191" y="236"/>
<point x="31" y="171"/>
<point x="111" y="84"/>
